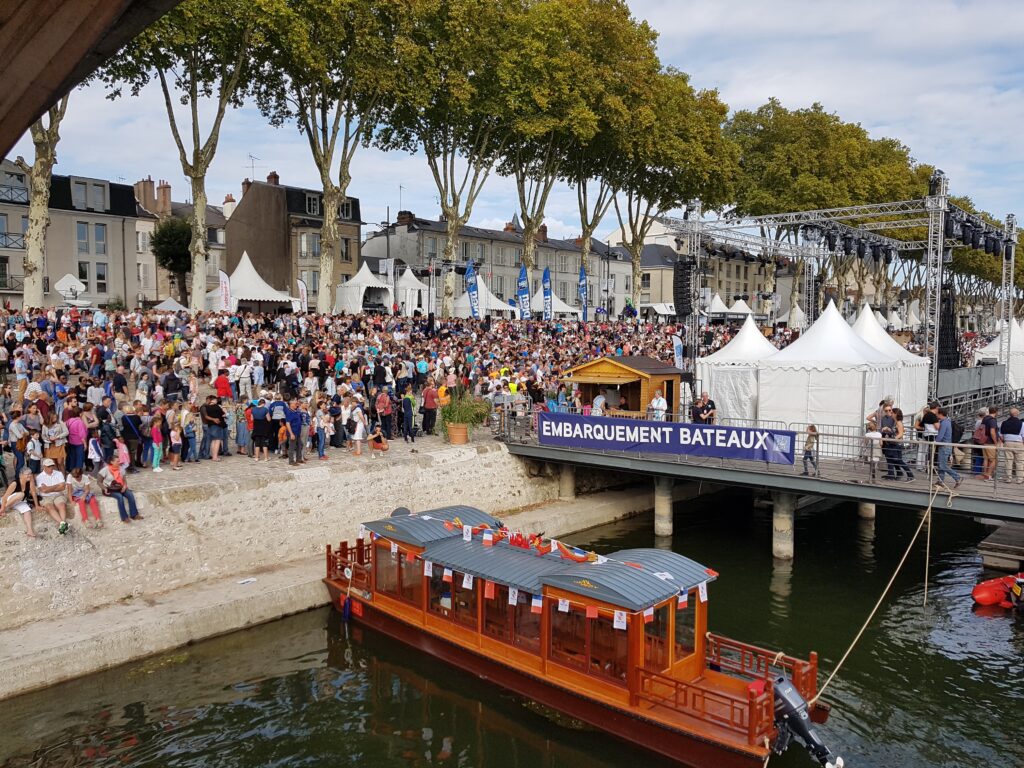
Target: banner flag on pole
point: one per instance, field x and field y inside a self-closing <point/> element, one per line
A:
<point x="303" y="296"/>
<point x="473" y="289"/>
<point x="523" y="293"/>
<point x="225" y="291"/>
<point x="546" y="287"/>
<point x="677" y="351"/>
<point x="582" y="291"/>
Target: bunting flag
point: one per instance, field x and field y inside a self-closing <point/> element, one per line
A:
<point x="581" y="290"/>
<point x="620" y="620"/>
<point x="649" y="615"/>
<point x="684" y="597"/>
<point x="702" y="590"/>
<point x="563" y="605"/>
<point x="428" y="568"/>
<point x="473" y="289"/>
<point x="523" y="294"/>
<point x="488" y="539"/>
<point x="362" y="531"/>
<point x="488" y="590"/>
<point x="467" y="533"/>
<point x="546" y="289"/>
<point x="575" y="554"/>
<point x="447" y="577"/>
<point x="513" y="595"/>
<point x="410" y="556"/>
<point x="394" y="548"/>
<point x="467" y="581"/>
<point x="591" y="611"/>
<point x="537" y="604"/>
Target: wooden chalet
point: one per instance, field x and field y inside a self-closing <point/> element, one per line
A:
<point x="635" y="377"/>
<point x="621" y="643"/>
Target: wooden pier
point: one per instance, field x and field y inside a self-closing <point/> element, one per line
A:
<point x="1003" y="549"/>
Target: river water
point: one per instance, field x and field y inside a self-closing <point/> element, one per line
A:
<point x="935" y="686"/>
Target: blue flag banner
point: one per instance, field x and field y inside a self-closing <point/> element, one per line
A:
<point x="582" y="290"/>
<point x="677" y="351"/>
<point x="569" y="430"/>
<point x="523" y="294"/>
<point x="546" y="287"/>
<point x="473" y="290"/>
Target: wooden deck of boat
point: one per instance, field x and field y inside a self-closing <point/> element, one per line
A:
<point x="1003" y="549"/>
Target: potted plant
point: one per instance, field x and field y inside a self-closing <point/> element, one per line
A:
<point x="462" y="412"/>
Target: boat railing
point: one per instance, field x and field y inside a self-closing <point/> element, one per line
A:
<point x="745" y="660"/>
<point x="752" y="715"/>
<point x="350" y="563"/>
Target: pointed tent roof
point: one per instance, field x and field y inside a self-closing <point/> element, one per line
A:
<point x="993" y="347"/>
<point x="795" y="318"/>
<point x="829" y="344"/>
<point x="170" y="305"/>
<point x="868" y="329"/>
<point x="364" y="278"/>
<point x="409" y="282"/>
<point x="740" y="307"/>
<point x="746" y="346"/>
<point x="913" y="321"/>
<point x="488" y="301"/>
<point x="558" y="306"/>
<point x="247" y="285"/>
<point x="896" y="321"/>
<point x="717" y="306"/>
<point x="881" y="319"/>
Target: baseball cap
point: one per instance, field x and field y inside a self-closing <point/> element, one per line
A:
<point x="49" y="463"/>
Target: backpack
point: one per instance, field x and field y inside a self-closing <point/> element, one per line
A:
<point x="957" y="432"/>
<point x="981" y="434"/>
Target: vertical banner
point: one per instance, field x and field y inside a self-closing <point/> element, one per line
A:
<point x="303" y="297"/>
<point x="677" y="350"/>
<point x="225" y="291"/>
<point x="582" y="291"/>
<point x="546" y="287"/>
<point x="523" y="293"/>
<point x="473" y="289"/>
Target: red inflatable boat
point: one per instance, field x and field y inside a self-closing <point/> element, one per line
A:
<point x="1004" y="591"/>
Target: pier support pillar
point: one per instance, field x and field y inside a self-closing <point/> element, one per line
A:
<point x="663" y="506"/>
<point x="567" y="482"/>
<point x="782" y="524"/>
<point x="866" y="510"/>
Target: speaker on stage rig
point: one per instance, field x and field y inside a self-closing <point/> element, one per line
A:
<point x="949" y="350"/>
<point x="682" y="289"/>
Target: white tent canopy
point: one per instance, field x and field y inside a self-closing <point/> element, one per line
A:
<point x="896" y="322"/>
<point x="731" y="372"/>
<point x="170" y="305"/>
<point x="882" y="321"/>
<point x="413" y="293"/>
<point x="1015" y="365"/>
<point x="247" y="286"/>
<point x="912" y="392"/>
<point x="795" y="318"/>
<point x="489" y="303"/>
<point x="353" y="293"/>
<point x="717" y="306"/>
<point x="829" y="376"/>
<point x="740" y="307"/>
<point x="558" y="307"/>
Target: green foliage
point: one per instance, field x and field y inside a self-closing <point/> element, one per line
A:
<point x="464" y="408"/>
<point x="170" y="242"/>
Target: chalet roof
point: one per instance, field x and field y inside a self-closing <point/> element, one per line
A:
<point x="421" y="529"/>
<point x="647" y="366"/>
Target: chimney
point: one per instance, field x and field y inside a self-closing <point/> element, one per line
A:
<point x="405" y="218"/>
<point x="145" y="193"/>
<point x="509" y="227"/>
<point x="273" y="178"/>
<point x="542" y="233"/>
<point x="163" y="198"/>
<point x="245" y="186"/>
<point x="229" y="205"/>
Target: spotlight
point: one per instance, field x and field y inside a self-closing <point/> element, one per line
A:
<point x="976" y="236"/>
<point x="950" y="226"/>
<point x="890" y="254"/>
<point x="862" y="248"/>
<point x="831" y="240"/>
<point x="989" y="244"/>
<point x="997" y="246"/>
<point x="1008" y="251"/>
<point x="847" y="245"/>
<point x="876" y="251"/>
<point x="965" y="233"/>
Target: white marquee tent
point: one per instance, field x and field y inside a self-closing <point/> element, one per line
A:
<point x="895" y="321"/>
<point x="795" y="318"/>
<point x="829" y="377"/>
<point x="882" y="321"/>
<point x="413" y="294"/>
<point x="717" y="306"/>
<point x="740" y="307"/>
<point x="248" y="287"/>
<point x="731" y="372"/>
<point x="489" y="303"/>
<point x="912" y="392"/>
<point x="914" y="315"/>
<point x="170" y="305"/>
<point x="558" y="307"/>
<point x="1015" y="366"/>
<point x="352" y="294"/>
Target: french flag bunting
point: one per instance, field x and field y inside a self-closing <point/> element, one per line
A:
<point x="488" y="590"/>
<point x="702" y="590"/>
<point x="467" y="581"/>
<point x="537" y="604"/>
<point x="410" y="556"/>
<point x="591" y="611"/>
<point x="447" y="575"/>
<point x="684" y="596"/>
<point x="488" y="539"/>
<point x="649" y="615"/>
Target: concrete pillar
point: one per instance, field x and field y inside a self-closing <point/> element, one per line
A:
<point x="567" y="482"/>
<point x="663" y="506"/>
<point x="782" y="524"/>
<point x="866" y="510"/>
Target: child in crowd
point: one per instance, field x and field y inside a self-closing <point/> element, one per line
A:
<point x="158" y="441"/>
<point x="80" y="492"/>
<point x="176" y="446"/>
<point x="34" y="452"/>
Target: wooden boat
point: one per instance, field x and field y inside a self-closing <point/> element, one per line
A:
<point x="619" y="642"/>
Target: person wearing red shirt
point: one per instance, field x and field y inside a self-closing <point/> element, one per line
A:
<point x="222" y="385"/>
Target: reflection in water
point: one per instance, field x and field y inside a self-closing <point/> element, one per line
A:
<point x="781" y="586"/>
<point x="866" y="542"/>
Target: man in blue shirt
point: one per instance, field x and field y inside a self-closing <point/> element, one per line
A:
<point x="293" y="421"/>
<point x="942" y="440"/>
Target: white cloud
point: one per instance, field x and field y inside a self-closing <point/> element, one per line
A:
<point x="943" y="76"/>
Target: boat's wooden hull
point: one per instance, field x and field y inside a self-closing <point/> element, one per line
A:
<point x="677" y="745"/>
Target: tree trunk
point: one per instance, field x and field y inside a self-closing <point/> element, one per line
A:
<point x="182" y="281"/>
<point x="637" y="274"/>
<point x="454" y="224"/>
<point x="198" y="245"/>
<point x="328" y="244"/>
<point x="585" y="249"/>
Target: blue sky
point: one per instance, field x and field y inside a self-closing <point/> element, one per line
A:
<point x="943" y="76"/>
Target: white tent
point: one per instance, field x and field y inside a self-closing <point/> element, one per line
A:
<point x="829" y="377"/>
<point x="881" y="319"/>
<point x="717" y="306"/>
<point x="413" y="294"/>
<point x="170" y="305"/>
<point x="912" y="392"/>
<point x="558" y="307"/>
<point x="1015" y="364"/>
<point x="895" y="321"/>
<point x="731" y="372"/>
<point x="795" y="318"/>
<point x="740" y="307"/>
<point x="489" y="303"/>
<point x="352" y="294"/>
<point x="247" y="286"/>
<point x="914" y="315"/>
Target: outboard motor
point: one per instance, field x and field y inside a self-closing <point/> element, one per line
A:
<point x="791" y="719"/>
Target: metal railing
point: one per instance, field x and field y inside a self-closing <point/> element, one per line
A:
<point x="16" y="283"/>
<point x="840" y="454"/>
<point x="12" y="194"/>
<point x="11" y="240"/>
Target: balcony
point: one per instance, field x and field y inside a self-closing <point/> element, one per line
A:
<point x="310" y="256"/>
<point x="16" y="283"/>
<point x="12" y="194"/>
<point x="11" y="240"/>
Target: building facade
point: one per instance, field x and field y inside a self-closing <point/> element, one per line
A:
<point x="279" y="227"/>
<point x="420" y="244"/>
<point x="91" y="236"/>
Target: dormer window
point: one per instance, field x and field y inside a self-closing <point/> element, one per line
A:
<point x="313" y="205"/>
<point x="345" y="210"/>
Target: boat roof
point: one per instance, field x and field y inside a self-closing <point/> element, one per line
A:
<point x="420" y="529"/>
<point x="502" y="563"/>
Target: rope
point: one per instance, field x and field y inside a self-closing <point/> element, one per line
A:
<point x="927" y="516"/>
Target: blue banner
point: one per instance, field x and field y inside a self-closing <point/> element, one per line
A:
<point x="523" y="294"/>
<point x="569" y="430"/>
<point x="582" y="291"/>
<point x="546" y="287"/>
<point x="677" y="351"/>
<point x="473" y="290"/>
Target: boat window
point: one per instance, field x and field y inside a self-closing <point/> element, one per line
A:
<point x="498" y="615"/>
<point x="386" y="566"/>
<point x="685" y="620"/>
<point x="609" y="648"/>
<point x="656" y="640"/>
<point x="569" y="636"/>
<point x="527" y="630"/>
<point x="412" y="581"/>
<point x="440" y="600"/>
<point x="465" y="602"/>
